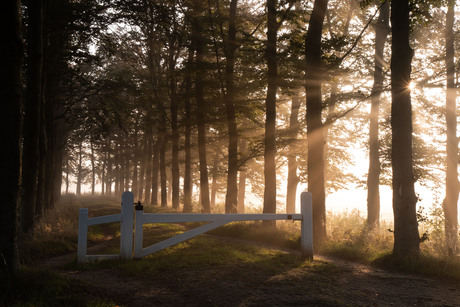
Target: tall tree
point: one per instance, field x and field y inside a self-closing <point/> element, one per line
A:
<point x="382" y="29"/>
<point x="452" y="184"/>
<point x="11" y="89"/>
<point x="406" y="236"/>
<point x="188" y="131"/>
<point x="231" y="45"/>
<point x="315" y="133"/>
<point x="198" y="42"/>
<point x="242" y="178"/>
<point x="174" y="48"/>
<point x="270" y="110"/>
<point x="293" y="178"/>
<point x="32" y="109"/>
<point x="293" y="131"/>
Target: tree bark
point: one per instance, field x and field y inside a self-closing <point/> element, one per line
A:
<point x="231" y="197"/>
<point x="136" y="154"/>
<point x="163" y="179"/>
<point x="32" y="109"/>
<point x="11" y="89"/>
<point x="270" y="113"/>
<point x="148" y="166"/>
<point x="187" y="142"/>
<point x="293" y="179"/>
<point x="155" y="169"/>
<point x="242" y="179"/>
<point x="201" y="110"/>
<point x="79" y="169"/>
<point x="315" y="133"/>
<point x="406" y="234"/>
<point x="452" y="184"/>
<point x="93" y="168"/>
<point x="215" y="176"/>
<point x="174" y="108"/>
<point x="382" y="29"/>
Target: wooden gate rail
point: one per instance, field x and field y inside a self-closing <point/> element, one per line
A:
<point x="215" y="220"/>
<point x="126" y="230"/>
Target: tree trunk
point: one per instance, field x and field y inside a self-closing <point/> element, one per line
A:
<point x="79" y="169"/>
<point x="175" y="171"/>
<point x="93" y="169"/>
<point x="242" y="179"/>
<point x="135" y="175"/>
<point x="163" y="176"/>
<point x="315" y="133"/>
<point x="43" y="146"/>
<point x="187" y="143"/>
<point x="201" y="112"/>
<point x="109" y="170"/>
<point x="143" y="161"/>
<point x="148" y="166"/>
<point x="103" y="171"/>
<point x="452" y="184"/>
<point x="215" y="184"/>
<point x="126" y="168"/>
<point x="406" y="234"/>
<point x="155" y="169"/>
<point x="293" y="179"/>
<point x="382" y="29"/>
<point x="11" y="89"/>
<point x="231" y="197"/>
<point x="270" y="113"/>
<point x="32" y="108"/>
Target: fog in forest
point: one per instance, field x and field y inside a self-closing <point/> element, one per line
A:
<point x="237" y="106"/>
<point x="138" y="78"/>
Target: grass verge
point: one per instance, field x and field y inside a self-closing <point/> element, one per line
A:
<point x="36" y="287"/>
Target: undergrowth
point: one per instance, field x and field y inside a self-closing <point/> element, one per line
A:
<point x="349" y="238"/>
<point x="57" y="231"/>
<point x="37" y="287"/>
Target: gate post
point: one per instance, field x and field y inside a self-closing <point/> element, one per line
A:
<point x="82" y="235"/>
<point x="306" y="226"/>
<point x="126" y="225"/>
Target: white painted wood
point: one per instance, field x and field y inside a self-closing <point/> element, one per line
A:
<point x="127" y="224"/>
<point x="200" y="217"/>
<point x="180" y="238"/>
<point x="216" y="220"/>
<point x="103" y="219"/>
<point x="306" y="225"/>
<point x="82" y="235"/>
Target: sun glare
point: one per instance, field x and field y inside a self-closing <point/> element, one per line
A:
<point x="411" y="86"/>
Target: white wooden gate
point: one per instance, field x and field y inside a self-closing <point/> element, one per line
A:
<point x="215" y="220"/>
<point x="126" y="230"/>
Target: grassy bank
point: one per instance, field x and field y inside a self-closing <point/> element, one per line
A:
<point x="349" y="238"/>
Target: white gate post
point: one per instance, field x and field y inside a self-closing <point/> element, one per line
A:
<point x="82" y="235"/>
<point x="306" y="226"/>
<point x="127" y="224"/>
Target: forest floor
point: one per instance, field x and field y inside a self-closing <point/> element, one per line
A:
<point x="322" y="282"/>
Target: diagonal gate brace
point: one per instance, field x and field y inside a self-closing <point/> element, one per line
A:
<point x="141" y="252"/>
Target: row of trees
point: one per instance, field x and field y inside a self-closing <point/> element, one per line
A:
<point x="144" y="94"/>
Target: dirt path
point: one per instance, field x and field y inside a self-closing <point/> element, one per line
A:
<point x="329" y="282"/>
